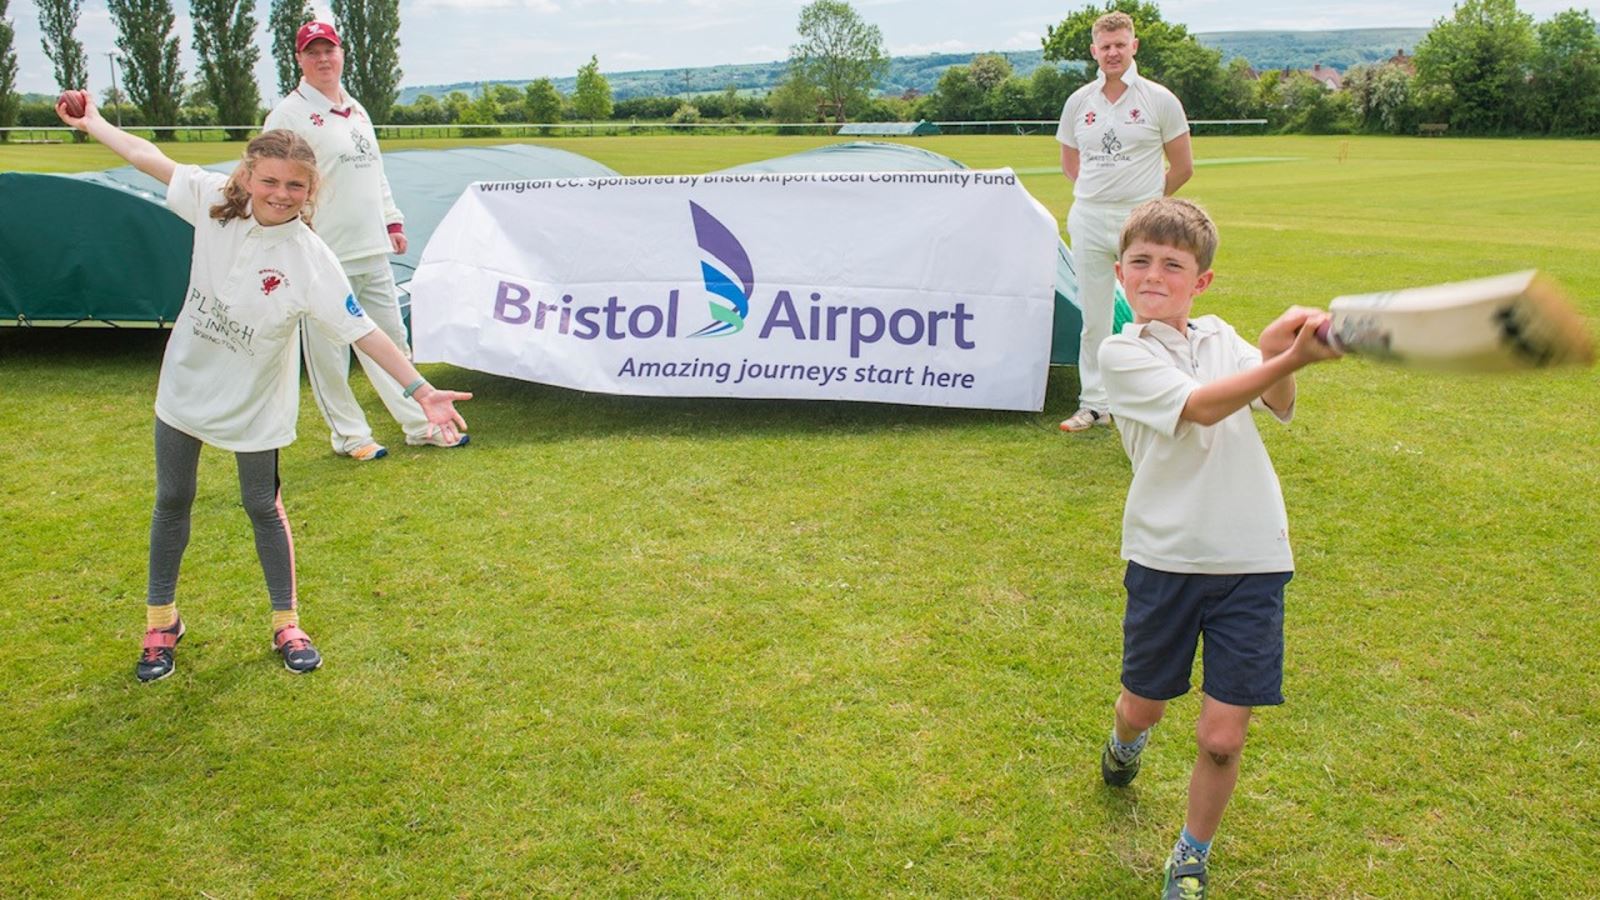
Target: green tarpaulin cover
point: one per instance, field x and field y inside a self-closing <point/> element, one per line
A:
<point x="74" y="250"/>
<point x="102" y="247"/>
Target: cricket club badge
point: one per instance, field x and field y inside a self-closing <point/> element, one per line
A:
<point x="1135" y="116"/>
<point x="271" y="280"/>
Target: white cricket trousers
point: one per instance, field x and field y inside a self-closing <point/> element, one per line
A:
<point x="1096" y="231"/>
<point x="327" y="365"/>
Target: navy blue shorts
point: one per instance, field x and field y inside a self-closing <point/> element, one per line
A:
<point x="1241" y="617"/>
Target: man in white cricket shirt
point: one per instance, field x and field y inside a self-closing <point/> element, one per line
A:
<point x="357" y="217"/>
<point x="1114" y="133"/>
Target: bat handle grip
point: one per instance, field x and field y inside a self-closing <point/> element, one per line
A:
<point x="1325" y="334"/>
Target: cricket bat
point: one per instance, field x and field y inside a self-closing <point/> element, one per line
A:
<point x="1499" y="324"/>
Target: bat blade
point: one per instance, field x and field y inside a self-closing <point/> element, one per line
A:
<point x="1499" y="324"/>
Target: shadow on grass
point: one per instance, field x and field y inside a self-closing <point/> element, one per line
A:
<point x="1120" y="805"/>
<point x="1122" y="824"/>
<point x="519" y="412"/>
<point x="129" y="720"/>
<point x="80" y="346"/>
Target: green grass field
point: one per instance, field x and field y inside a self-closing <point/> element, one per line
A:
<point x="626" y="646"/>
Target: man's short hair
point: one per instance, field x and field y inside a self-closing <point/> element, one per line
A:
<point x="1112" y="21"/>
<point x="1172" y="222"/>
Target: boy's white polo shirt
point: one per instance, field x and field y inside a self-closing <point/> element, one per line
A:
<point x="231" y="372"/>
<point x="1121" y="145"/>
<point x="1204" y="498"/>
<point x="354" y="204"/>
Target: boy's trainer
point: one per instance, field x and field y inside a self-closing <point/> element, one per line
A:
<point x="1116" y="772"/>
<point x="1185" y="880"/>
<point x="156" y="656"/>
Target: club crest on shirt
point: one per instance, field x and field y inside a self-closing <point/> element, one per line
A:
<point x="271" y="280"/>
<point x="1135" y="117"/>
<point x="365" y="155"/>
<point x="352" y="307"/>
<point x="316" y="119"/>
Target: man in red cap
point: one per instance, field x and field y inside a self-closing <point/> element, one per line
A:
<point x="356" y="216"/>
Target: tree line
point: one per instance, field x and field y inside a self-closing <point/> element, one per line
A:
<point x="1488" y="68"/>
<point x="153" y="90"/>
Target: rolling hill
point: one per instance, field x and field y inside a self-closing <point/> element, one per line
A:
<point x="1264" y="49"/>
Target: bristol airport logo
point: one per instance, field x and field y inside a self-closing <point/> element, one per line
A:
<point x="729" y="277"/>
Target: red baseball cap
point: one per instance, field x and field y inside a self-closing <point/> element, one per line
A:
<point x="315" y="31"/>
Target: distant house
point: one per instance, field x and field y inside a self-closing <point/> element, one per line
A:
<point x="1329" y="76"/>
<point x="1409" y="63"/>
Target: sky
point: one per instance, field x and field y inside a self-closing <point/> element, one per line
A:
<point x="449" y="41"/>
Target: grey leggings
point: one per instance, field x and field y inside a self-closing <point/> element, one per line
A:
<point x="177" y="462"/>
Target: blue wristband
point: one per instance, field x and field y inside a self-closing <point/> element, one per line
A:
<point x="414" y="386"/>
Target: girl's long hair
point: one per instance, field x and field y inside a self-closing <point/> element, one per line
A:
<point x="276" y="144"/>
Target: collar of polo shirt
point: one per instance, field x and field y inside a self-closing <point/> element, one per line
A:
<point x="274" y="234"/>
<point x="1128" y="77"/>
<point x="317" y="97"/>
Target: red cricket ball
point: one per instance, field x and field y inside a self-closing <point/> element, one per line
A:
<point x="76" y="102"/>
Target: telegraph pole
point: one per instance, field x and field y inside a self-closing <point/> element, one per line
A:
<point x="116" y="96"/>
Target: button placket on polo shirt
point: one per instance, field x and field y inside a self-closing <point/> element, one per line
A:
<point x="1182" y="349"/>
<point x="1192" y="342"/>
<point x="244" y="261"/>
<point x="248" y="257"/>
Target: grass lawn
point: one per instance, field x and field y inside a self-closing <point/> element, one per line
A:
<point x="625" y="646"/>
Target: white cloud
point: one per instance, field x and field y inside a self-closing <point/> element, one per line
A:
<point x="1023" y="40"/>
<point x="547" y="7"/>
<point x="658" y="24"/>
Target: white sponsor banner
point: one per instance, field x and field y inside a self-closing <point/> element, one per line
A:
<point x="931" y="288"/>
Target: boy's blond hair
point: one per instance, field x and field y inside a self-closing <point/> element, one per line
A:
<point x="1173" y="223"/>
<point x="1112" y="21"/>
